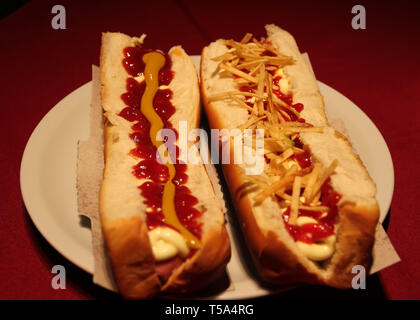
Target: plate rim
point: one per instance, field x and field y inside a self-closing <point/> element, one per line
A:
<point x="36" y="220"/>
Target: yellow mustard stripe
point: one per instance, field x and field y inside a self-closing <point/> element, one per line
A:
<point x="154" y="61"/>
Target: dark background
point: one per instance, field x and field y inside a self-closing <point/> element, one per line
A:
<point x="376" y="68"/>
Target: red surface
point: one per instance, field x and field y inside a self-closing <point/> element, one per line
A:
<point x="377" y="68"/>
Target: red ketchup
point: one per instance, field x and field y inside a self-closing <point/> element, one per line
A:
<point x="267" y="53"/>
<point x="302" y="158"/>
<point x="312" y="232"/>
<point x="149" y="167"/>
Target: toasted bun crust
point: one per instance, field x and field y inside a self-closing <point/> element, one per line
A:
<point x="121" y="205"/>
<point x="131" y="257"/>
<point x="274" y="252"/>
<point x="206" y="265"/>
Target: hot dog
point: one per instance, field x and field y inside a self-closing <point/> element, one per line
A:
<point x="310" y="215"/>
<point x="162" y="223"/>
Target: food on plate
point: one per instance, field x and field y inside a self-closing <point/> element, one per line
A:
<point x="162" y="223"/>
<point x="310" y="215"/>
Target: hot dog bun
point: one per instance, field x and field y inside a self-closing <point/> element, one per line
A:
<point x="277" y="256"/>
<point x="122" y="207"/>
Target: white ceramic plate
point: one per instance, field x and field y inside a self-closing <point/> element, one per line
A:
<point x="48" y="177"/>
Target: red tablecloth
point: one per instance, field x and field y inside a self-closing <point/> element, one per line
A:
<point x="377" y="68"/>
